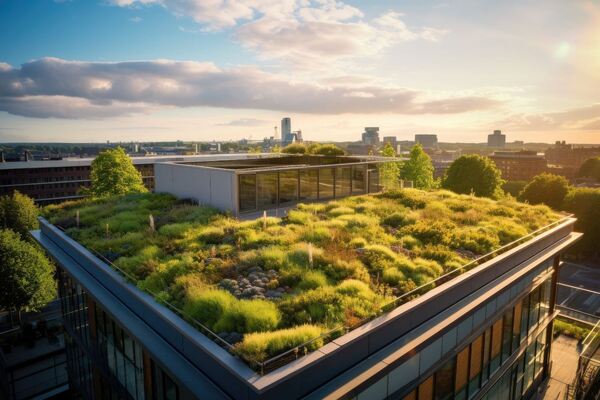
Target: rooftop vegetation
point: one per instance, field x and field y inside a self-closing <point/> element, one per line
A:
<point x="270" y="284"/>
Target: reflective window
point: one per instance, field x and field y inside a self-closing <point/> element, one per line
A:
<point x="358" y="179"/>
<point x="288" y="187"/>
<point x="475" y="365"/>
<point x="163" y="386"/>
<point x="247" y="191"/>
<point x="444" y="381"/>
<point x="266" y="190"/>
<point x="496" y="348"/>
<point x="507" y="334"/>
<point x="516" y="331"/>
<point x="325" y="183"/>
<point x="343" y="179"/>
<point x="426" y="389"/>
<point x="309" y="180"/>
<point x="373" y="175"/>
<point x="462" y="373"/>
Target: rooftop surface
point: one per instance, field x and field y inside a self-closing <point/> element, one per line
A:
<point x="267" y="285"/>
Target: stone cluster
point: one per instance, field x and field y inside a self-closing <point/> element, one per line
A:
<point x="257" y="284"/>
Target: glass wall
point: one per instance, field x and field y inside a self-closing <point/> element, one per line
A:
<point x="309" y="184"/>
<point x="463" y="375"/>
<point x="288" y="187"/>
<point x="247" y="185"/>
<point x="326" y="183"/>
<point x="264" y="190"/>
<point x="163" y="387"/>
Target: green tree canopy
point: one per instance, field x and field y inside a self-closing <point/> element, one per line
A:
<point x="585" y="204"/>
<point x="389" y="172"/>
<point x="546" y="189"/>
<point x="418" y="168"/>
<point x="473" y="173"/>
<point x="27" y="276"/>
<point x="113" y="173"/>
<point x="294" y="148"/>
<point x="514" y="187"/>
<point x="590" y="169"/>
<point x="19" y="213"/>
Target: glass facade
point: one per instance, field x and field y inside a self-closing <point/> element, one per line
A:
<point x="104" y="361"/>
<point x="264" y="190"/>
<point x="463" y="375"/>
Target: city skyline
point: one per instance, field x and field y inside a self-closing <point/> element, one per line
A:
<point x="150" y="70"/>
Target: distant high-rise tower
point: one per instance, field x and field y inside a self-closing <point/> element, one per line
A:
<point x="371" y="136"/>
<point x="286" y="131"/>
<point x="426" y="140"/>
<point x="497" y="139"/>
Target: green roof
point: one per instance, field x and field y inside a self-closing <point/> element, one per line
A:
<point x="267" y="285"/>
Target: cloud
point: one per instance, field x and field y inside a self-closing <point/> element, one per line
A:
<point x="52" y="87"/>
<point x="579" y="118"/>
<point x="245" y="122"/>
<point x="136" y="19"/>
<point x="302" y="33"/>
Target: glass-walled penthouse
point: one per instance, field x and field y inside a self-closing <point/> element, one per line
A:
<point x="270" y="189"/>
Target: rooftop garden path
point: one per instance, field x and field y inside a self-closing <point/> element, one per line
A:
<point x="270" y="284"/>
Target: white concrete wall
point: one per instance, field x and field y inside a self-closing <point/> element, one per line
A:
<point x="208" y="186"/>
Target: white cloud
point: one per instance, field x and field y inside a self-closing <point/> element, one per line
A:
<point x="579" y="118"/>
<point x="73" y="89"/>
<point x="245" y="122"/>
<point x="302" y="33"/>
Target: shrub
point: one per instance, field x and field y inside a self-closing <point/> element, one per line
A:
<point x="312" y="280"/>
<point x="397" y="220"/>
<point x="263" y="345"/>
<point x="211" y="235"/>
<point x="393" y="276"/>
<point x="208" y="306"/>
<point x="432" y="232"/>
<point x="249" y="316"/>
<point x="336" y="212"/>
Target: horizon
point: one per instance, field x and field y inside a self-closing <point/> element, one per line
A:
<point x="165" y="70"/>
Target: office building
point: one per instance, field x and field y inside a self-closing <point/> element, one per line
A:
<point x="52" y="181"/>
<point x="370" y="136"/>
<point x="519" y="165"/>
<point x="497" y="139"/>
<point x="569" y="155"/>
<point x="427" y="141"/>
<point x="485" y="334"/>
<point x="269" y="182"/>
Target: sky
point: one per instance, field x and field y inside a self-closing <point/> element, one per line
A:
<point x="152" y="70"/>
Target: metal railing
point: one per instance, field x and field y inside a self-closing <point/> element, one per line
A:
<point x="586" y="384"/>
<point x="271" y="364"/>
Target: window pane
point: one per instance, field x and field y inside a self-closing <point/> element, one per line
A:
<point x="486" y="354"/>
<point x="247" y="192"/>
<point x="507" y="334"/>
<point x="524" y="317"/>
<point x="358" y="179"/>
<point x="266" y="188"/>
<point x="516" y="327"/>
<point x="288" y="187"/>
<point x="325" y="183"/>
<point x="426" y="389"/>
<point x="411" y="396"/>
<point x="475" y="366"/>
<point x="309" y="184"/>
<point x="343" y="177"/>
<point x="373" y="178"/>
<point x="462" y="370"/>
<point x="496" y="345"/>
<point x="534" y="303"/>
<point x="444" y="381"/>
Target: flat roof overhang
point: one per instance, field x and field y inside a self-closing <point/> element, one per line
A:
<point x="183" y="349"/>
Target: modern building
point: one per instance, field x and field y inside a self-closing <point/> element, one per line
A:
<point x="519" y="165"/>
<point x="51" y="181"/>
<point x="370" y="136"/>
<point x="496" y="139"/>
<point x="426" y="140"/>
<point x="269" y="181"/>
<point x="483" y="331"/>
<point x="568" y="155"/>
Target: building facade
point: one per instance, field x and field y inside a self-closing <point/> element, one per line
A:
<point x="485" y="334"/>
<point x="370" y="136"/>
<point x="519" y="165"/>
<point x="427" y="141"/>
<point x="59" y="180"/>
<point x="496" y="139"/>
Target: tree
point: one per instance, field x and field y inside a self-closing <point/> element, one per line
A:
<point x="590" y="169"/>
<point x="547" y="189"/>
<point x="514" y="187"/>
<point x="19" y="213"/>
<point x="418" y="168"/>
<point x="27" y="276"/>
<point x="294" y="148"/>
<point x="585" y="204"/>
<point x="113" y="173"/>
<point x="389" y="172"/>
<point x="473" y="174"/>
